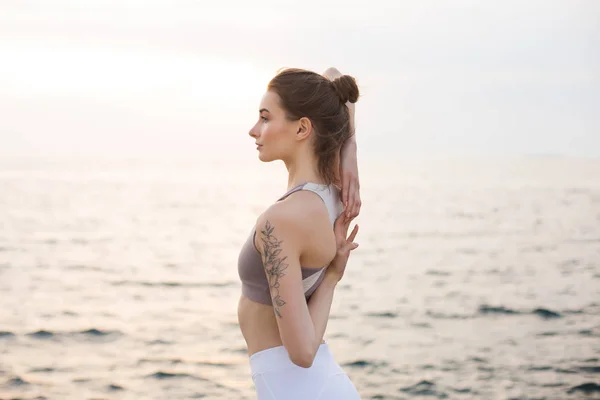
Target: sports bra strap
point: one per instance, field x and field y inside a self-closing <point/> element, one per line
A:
<point x="328" y="193"/>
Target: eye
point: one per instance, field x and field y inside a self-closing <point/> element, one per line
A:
<point x="264" y="119"/>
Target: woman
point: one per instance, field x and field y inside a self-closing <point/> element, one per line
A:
<point x="297" y="252"/>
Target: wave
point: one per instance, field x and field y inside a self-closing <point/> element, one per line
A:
<point x="588" y="332"/>
<point x="586" y="388"/>
<point x="485" y="310"/>
<point x="175" y="284"/>
<point x="434" y="272"/>
<point x="238" y="350"/>
<point x="91" y="333"/>
<point x="41" y="334"/>
<point x="540" y="368"/>
<point x="421" y="325"/>
<point x="540" y="312"/>
<point x="383" y="315"/>
<point x="159" y="342"/>
<point x="478" y="359"/>
<point x="215" y="364"/>
<point x="98" y="332"/>
<point x="590" y="370"/>
<point x="546" y="314"/>
<point x="43" y="370"/>
<point x="424" y="388"/>
<point x="17" y="381"/>
<point x="85" y="268"/>
<point x="547" y="334"/>
<point x="564" y="371"/>
<point x="115" y="388"/>
<point x="439" y="315"/>
<point x="365" y="364"/>
<point x="173" y="375"/>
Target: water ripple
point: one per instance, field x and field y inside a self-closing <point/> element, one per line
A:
<point x="173" y="375"/>
<point x="175" y="284"/>
<point x="88" y="334"/>
<point x="585" y="388"/>
<point x="424" y="388"/>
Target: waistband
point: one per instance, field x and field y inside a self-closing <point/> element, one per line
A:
<point x="277" y="358"/>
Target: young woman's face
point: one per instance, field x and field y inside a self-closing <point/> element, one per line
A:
<point x="273" y="133"/>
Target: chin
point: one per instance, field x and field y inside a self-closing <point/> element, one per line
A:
<point x="262" y="158"/>
<point x="265" y="158"/>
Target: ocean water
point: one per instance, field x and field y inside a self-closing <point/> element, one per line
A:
<point x="474" y="279"/>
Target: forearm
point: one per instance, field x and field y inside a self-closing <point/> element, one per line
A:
<point x="350" y="144"/>
<point x="349" y="148"/>
<point x="351" y="112"/>
<point x="331" y="74"/>
<point x="319" y="307"/>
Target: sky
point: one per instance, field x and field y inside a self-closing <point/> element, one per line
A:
<point x="125" y="77"/>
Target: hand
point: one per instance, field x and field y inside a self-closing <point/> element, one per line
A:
<point x="344" y="245"/>
<point x="350" y="182"/>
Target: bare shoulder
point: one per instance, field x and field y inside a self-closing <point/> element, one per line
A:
<point x="294" y="218"/>
<point x="305" y="208"/>
<point x="296" y="211"/>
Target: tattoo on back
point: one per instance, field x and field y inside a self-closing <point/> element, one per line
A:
<point x="273" y="264"/>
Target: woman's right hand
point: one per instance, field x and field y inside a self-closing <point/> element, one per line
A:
<point x="344" y="245"/>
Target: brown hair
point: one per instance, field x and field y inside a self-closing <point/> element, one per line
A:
<point x="307" y="94"/>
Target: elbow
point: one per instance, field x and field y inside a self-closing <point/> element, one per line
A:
<point x="302" y="359"/>
<point x="332" y="73"/>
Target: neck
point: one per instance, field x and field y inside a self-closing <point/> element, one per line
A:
<point x="301" y="169"/>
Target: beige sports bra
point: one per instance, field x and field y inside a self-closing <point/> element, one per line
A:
<point x="250" y="267"/>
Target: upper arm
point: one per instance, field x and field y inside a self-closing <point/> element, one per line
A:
<point x="280" y="241"/>
<point x="280" y="251"/>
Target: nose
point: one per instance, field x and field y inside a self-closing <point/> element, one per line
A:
<point x="253" y="132"/>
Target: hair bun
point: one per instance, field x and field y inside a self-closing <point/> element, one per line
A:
<point x="346" y="88"/>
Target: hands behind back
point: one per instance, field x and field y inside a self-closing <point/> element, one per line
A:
<point x="344" y="245"/>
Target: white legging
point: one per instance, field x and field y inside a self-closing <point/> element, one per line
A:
<point x="276" y="377"/>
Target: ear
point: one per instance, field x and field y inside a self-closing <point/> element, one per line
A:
<point x="304" y="128"/>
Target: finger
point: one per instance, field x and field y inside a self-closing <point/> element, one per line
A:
<point x="357" y="205"/>
<point x="345" y="182"/>
<point x="349" y="247"/>
<point x="339" y="220"/>
<point x="343" y="229"/>
<point x="353" y="234"/>
<point x="350" y="199"/>
<point x="356" y="199"/>
<point x="341" y="226"/>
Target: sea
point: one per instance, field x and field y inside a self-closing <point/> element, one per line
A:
<point x="476" y="277"/>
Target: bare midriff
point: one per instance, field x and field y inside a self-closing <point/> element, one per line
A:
<point x="258" y="325"/>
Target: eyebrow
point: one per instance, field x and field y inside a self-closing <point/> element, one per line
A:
<point x="263" y="109"/>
